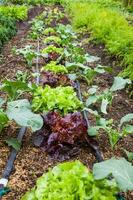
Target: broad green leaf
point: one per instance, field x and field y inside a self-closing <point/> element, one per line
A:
<point x="20" y="111"/>
<point x="91" y="100"/>
<point x="104" y="123"/>
<point x="126" y="118"/>
<point x="119" y="84"/>
<point x="15" y="143"/>
<point x="14" y="88"/>
<point x="72" y="66"/>
<point x="3" y="119"/>
<point x="104" y="106"/>
<point x="93" y="130"/>
<point x="129" y="155"/>
<point x="121" y="170"/>
<point x="91" y="59"/>
<point x="128" y="129"/>
<point x="100" y="69"/>
<point x="93" y="89"/>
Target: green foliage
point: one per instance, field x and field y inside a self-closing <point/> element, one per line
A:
<point x="114" y="134"/>
<point x="56" y="68"/>
<point x="20" y="112"/>
<point x="70" y="181"/>
<point x="14" y="89"/>
<point x="14" y="142"/>
<point x="108" y="26"/>
<point x="121" y="170"/>
<point x="37" y="28"/>
<point x="62" y="99"/>
<point x="32" y="2"/>
<point x="16" y="12"/>
<point x="3" y="119"/>
<point x="54" y="39"/>
<point x="7" y="29"/>
<point x="119" y="83"/>
<point x="28" y="53"/>
<point x="49" y="31"/>
<point x="22" y="76"/>
<point x="52" y="49"/>
<point x="66" y="34"/>
<point x="84" y="71"/>
<point x="3" y="116"/>
<point x="106" y="97"/>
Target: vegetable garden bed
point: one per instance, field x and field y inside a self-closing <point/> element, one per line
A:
<point x="42" y="45"/>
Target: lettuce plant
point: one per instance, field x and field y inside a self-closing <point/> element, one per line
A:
<point x="71" y="181"/>
<point x="51" y="49"/>
<point x="63" y="99"/>
<point x="54" y="80"/>
<point x="56" y="68"/>
<point x="53" y="39"/>
<point x="49" y="31"/>
<point x="60" y="131"/>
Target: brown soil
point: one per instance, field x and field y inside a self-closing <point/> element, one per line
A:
<point x="32" y="162"/>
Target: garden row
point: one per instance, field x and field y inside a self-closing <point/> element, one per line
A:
<point x="66" y="62"/>
<point x="60" y="63"/>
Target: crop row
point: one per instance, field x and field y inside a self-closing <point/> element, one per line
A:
<point x="59" y="121"/>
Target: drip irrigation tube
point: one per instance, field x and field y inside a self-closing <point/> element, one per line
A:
<point x="9" y="166"/>
<point x="92" y="143"/>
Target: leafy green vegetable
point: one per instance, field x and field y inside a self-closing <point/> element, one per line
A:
<point x="51" y="49"/>
<point x="28" y="53"/>
<point x="60" y="98"/>
<point x="121" y="170"/>
<point x="126" y="118"/>
<point x="70" y="181"/>
<point x="14" y="142"/>
<point x="119" y="83"/>
<point x="54" y="39"/>
<point x="49" y="31"/>
<point x="105" y="97"/>
<point x="14" y="89"/>
<point x="16" y="12"/>
<point x="7" y="29"/>
<point x="3" y="119"/>
<point x="104" y="106"/>
<point x="53" y="67"/>
<point x="20" y="111"/>
<point x="84" y="71"/>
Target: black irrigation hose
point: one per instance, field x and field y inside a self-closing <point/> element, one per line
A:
<point x="91" y="141"/>
<point x="12" y="157"/>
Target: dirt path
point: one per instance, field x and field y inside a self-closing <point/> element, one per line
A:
<point x="32" y="162"/>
